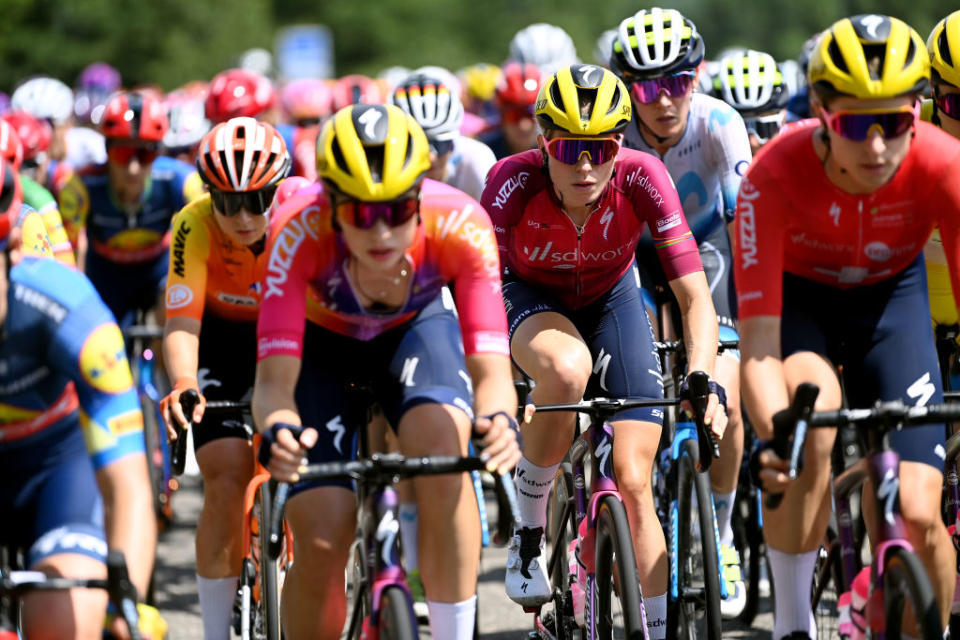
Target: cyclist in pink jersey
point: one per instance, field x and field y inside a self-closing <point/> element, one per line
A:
<point x="568" y="217"/>
<point x="365" y="260"/>
<point x="831" y="224"/>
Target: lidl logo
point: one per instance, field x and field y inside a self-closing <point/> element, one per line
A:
<point x="103" y="360"/>
<point x="125" y="423"/>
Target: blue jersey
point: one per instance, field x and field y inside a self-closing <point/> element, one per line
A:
<point x="131" y="235"/>
<point x="706" y="164"/>
<point x="63" y="367"/>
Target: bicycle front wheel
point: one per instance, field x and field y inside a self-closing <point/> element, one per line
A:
<point x="696" y="612"/>
<point x="907" y="593"/>
<point x="272" y="572"/>
<point x="618" y="613"/>
<point x="397" y="621"/>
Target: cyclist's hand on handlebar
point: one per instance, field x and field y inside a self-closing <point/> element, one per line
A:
<point x="715" y="416"/>
<point x="769" y="471"/>
<point x="171" y="410"/>
<point x="284" y="449"/>
<point x="501" y="451"/>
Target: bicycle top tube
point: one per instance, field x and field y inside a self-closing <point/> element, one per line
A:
<point x="601" y="409"/>
<point x="666" y="346"/>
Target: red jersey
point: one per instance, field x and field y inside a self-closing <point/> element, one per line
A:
<point x="541" y="245"/>
<point x="307" y="273"/>
<point x="791" y="217"/>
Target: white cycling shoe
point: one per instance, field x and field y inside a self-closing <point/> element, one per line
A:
<point x="526" y="579"/>
<point x="736" y="600"/>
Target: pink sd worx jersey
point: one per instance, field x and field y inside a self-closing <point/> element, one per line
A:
<point x="307" y="273"/>
<point x="540" y="244"/>
<point x="791" y="217"/>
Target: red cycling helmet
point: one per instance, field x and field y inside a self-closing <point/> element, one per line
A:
<point x="134" y="116"/>
<point x="519" y="84"/>
<point x="11" y="199"/>
<point x="356" y="89"/>
<point x="238" y="93"/>
<point x="10" y="147"/>
<point x="35" y="135"/>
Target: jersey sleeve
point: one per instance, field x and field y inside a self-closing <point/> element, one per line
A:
<point x="88" y="348"/>
<point x="36" y="240"/>
<point x="945" y="198"/>
<point x="74" y="206"/>
<point x="731" y="155"/>
<point x="187" y="274"/>
<point x="43" y="201"/>
<point x="292" y="260"/>
<point x="470" y="253"/>
<point x="759" y="228"/>
<point x="500" y="198"/>
<point x="655" y="199"/>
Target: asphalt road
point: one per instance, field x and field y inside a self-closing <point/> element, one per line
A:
<point x="176" y="592"/>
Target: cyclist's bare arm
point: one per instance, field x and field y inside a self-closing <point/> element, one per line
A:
<point x="764" y="385"/>
<point x="494" y="393"/>
<point x="181" y="344"/>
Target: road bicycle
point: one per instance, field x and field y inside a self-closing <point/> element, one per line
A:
<point x="898" y="582"/>
<point x="16" y="584"/>
<point x="596" y="589"/>
<point x="256" y="611"/>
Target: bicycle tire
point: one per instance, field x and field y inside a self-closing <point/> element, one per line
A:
<point x="269" y="570"/>
<point x="827" y="586"/>
<point x="905" y="583"/>
<point x="690" y="620"/>
<point x="397" y="621"/>
<point x="560" y="533"/>
<point x="748" y="539"/>
<point x="616" y="575"/>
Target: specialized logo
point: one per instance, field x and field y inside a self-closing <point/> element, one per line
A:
<point x="204" y="381"/>
<point x="509" y="186"/>
<point x="178" y="296"/>
<point x="336" y="427"/>
<point x="369" y="120"/>
<point x="889" y="491"/>
<point x="585" y="72"/>
<point x="103" y="360"/>
<point x="409" y="368"/>
<point x="605" y="220"/>
<point x="871" y="23"/>
<point x="179" y="246"/>
<point x="835" y="214"/>
<point x="386" y="534"/>
<point x="922" y="390"/>
<point x="601" y="365"/>
<point x="747" y="223"/>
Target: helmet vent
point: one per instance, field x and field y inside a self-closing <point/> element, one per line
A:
<point x="875" y="54"/>
<point x="944" y="48"/>
<point x="375" y="161"/>
<point x="833" y="50"/>
<point x="338" y="156"/>
<point x="556" y="97"/>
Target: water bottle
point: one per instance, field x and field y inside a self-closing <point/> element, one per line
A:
<point x="578" y="573"/>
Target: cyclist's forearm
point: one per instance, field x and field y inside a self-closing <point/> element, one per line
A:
<point x="700" y="333"/>
<point x="273" y="391"/>
<point x="493" y="388"/>
<point x="181" y="344"/>
<point x="128" y="515"/>
<point x="764" y="386"/>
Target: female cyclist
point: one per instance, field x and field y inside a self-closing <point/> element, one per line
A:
<point x="568" y="217"/>
<point x="831" y="221"/>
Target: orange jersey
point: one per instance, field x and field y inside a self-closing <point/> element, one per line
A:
<point x="209" y="271"/>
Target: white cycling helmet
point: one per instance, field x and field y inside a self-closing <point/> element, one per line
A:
<point x="188" y="120"/>
<point x="447" y="77"/>
<point x="432" y="103"/>
<point x="750" y="82"/>
<point x="604" y="48"/>
<point x="545" y="45"/>
<point x="656" y="42"/>
<point x="44" y="98"/>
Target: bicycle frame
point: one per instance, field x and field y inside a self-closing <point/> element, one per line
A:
<point x="597" y="441"/>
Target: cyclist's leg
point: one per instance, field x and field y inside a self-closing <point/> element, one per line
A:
<point x="795" y="530"/>
<point x="900" y="363"/>
<point x="427" y="393"/>
<point x="67" y="539"/>
<point x="547" y="347"/>
<point x="226" y="357"/>
<point x="715" y="253"/>
<point x="627" y="365"/>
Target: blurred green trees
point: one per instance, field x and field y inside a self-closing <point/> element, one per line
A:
<point x="170" y="42"/>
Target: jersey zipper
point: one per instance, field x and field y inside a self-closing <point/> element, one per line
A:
<point x="578" y="284"/>
<point x="856" y="259"/>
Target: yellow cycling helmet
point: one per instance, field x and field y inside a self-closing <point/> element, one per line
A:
<point x="372" y="152"/>
<point x="944" y="47"/>
<point x="584" y="99"/>
<point x="480" y="80"/>
<point x="869" y="56"/>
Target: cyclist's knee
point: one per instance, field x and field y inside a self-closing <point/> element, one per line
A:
<point x="565" y="375"/>
<point x="921" y="511"/>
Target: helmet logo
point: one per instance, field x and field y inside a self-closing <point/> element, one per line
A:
<point x="585" y="72"/>
<point x="369" y="120"/>
<point x="870" y="23"/>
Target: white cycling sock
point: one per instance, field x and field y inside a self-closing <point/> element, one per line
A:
<point x="216" y="605"/>
<point x="408" y="534"/>
<point x="533" y="489"/>
<point x="453" y="620"/>
<point x="792" y="577"/>
<point x="723" y="503"/>
<point x="656" y="610"/>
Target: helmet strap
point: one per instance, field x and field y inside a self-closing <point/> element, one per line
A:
<point x="935" y="118"/>
<point x="644" y="128"/>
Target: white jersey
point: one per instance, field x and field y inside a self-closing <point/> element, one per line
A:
<point x="706" y="164"/>
<point x="468" y="166"/>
